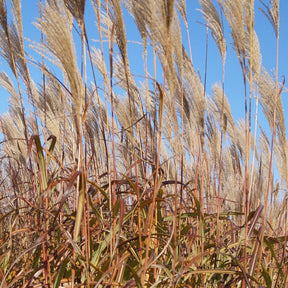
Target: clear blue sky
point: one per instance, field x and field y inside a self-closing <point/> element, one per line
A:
<point x="233" y="79"/>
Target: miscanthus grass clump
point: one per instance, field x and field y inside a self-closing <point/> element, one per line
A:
<point x="111" y="177"/>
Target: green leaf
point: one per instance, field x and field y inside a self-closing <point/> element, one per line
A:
<point x="80" y="207"/>
<point x="270" y="244"/>
<point x="95" y="210"/>
<point x="41" y="161"/>
<point x="266" y="277"/>
<point x="51" y="148"/>
<point x="60" y="273"/>
<point x="102" y="191"/>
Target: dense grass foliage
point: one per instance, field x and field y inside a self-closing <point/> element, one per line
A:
<point x="114" y="179"/>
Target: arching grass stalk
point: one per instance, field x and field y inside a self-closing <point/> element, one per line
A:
<point x="273" y="17"/>
<point x="216" y="25"/>
<point x="113" y="191"/>
<point x="162" y="95"/>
